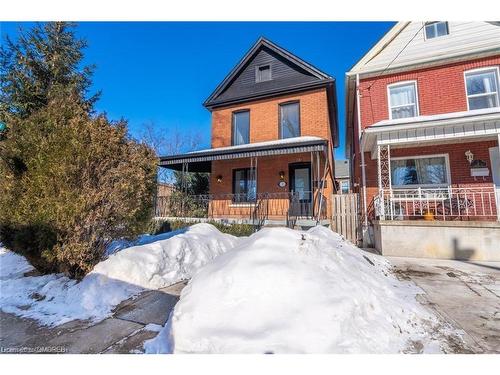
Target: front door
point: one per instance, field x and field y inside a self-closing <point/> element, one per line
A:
<point x="300" y="187"/>
<point x="495" y="171"/>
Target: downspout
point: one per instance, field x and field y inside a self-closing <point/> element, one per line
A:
<point x="362" y="151"/>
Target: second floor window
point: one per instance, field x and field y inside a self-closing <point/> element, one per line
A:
<point x="435" y="29"/>
<point x="289" y="120"/>
<point x="482" y="88"/>
<point x="403" y="100"/>
<point x="241" y="128"/>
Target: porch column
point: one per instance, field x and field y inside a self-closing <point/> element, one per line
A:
<point x="384" y="175"/>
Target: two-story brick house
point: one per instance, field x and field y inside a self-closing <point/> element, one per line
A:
<point x="274" y="126"/>
<point x="423" y="128"/>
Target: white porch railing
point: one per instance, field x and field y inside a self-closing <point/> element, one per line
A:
<point x="447" y="203"/>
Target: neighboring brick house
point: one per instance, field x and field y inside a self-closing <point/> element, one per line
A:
<point x="274" y="127"/>
<point x="422" y="134"/>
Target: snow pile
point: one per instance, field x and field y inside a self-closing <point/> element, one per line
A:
<point x="54" y="299"/>
<point x="284" y="291"/>
<point x="12" y="265"/>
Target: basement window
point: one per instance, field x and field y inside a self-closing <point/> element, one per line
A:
<point x="436" y="29"/>
<point x="263" y="73"/>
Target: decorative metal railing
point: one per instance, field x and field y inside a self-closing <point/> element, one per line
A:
<point x="257" y="209"/>
<point x="446" y="203"/>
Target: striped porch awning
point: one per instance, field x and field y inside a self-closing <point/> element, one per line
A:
<point x="200" y="161"/>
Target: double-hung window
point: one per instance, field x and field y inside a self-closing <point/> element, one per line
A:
<point x="482" y="88"/>
<point x="436" y="29"/>
<point x="420" y="171"/>
<point x="403" y="100"/>
<point x="244" y="186"/>
<point x="241" y="127"/>
<point x="289" y="120"/>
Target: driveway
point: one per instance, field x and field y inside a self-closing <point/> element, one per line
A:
<point x="133" y="322"/>
<point x="466" y="294"/>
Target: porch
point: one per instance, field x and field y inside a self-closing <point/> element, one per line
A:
<point x="283" y="182"/>
<point x="441" y="167"/>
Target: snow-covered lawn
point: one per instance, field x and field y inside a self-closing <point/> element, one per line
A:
<point x="285" y="291"/>
<point x="157" y="262"/>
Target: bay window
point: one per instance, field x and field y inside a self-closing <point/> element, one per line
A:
<point x="403" y="100"/>
<point x="482" y="88"/>
<point x="420" y="171"/>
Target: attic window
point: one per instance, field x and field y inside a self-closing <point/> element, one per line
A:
<point x="435" y="29"/>
<point x="263" y="73"/>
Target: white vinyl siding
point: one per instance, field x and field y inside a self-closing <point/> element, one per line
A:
<point x="482" y="88"/>
<point x="403" y="100"/>
<point x="464" y="38"/>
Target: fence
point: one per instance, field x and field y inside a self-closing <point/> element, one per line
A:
<point x="345" y="216"/>
<point x="256" y="209"/>
<point x="447" y="203"/>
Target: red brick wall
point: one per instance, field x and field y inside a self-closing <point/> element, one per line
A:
<point x="440" y="90"/>
<point x="268" y="169"/>
<point x="264" y="118"/>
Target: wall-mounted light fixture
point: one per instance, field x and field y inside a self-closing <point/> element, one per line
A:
<point x="219" y="179"/>
<point x="469" y="155"/>
<point x="282" y="175"/>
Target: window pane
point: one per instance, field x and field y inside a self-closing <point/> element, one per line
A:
<point x="241" y="130"/>
<point x="264" y="73"/>
<point x="251" y="185"/>
<point x="431" y="170"/>
<point x="244" y="185"/>
<point x="441" y="28"/>
<point x="402" y="112"/>
<point x="430" y="31"/>
<point x="403" y="101"/>
<point x="290" y="120"/>
<point x="403" y="172"/>
<point x="481" y="83"/>
<point x="487" y="101"/>
<point x="345" y="187"/>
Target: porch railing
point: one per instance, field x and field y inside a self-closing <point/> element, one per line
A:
<point x="255" y="209"/>
<point x="447" y="203"/>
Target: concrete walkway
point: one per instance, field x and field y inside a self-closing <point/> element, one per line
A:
<point x="124" y="332"/>
<point x="466" y="294"/>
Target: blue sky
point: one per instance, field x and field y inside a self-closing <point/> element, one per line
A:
<point x="161" y="72"/>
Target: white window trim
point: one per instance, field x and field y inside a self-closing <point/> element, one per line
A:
<point x="410" y="186"/>
<point x="480" y="70"/>
<point x="437" y="37"/>
<point x="402" y="83"/>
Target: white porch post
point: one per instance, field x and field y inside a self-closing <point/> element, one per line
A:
<point x="384" y="174"/>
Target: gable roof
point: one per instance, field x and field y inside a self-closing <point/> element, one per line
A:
<point x="289" y="74"/>
<point x="405" y="48"/>
<point x="405" y="45"/>
<point x="295" y="74"/>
